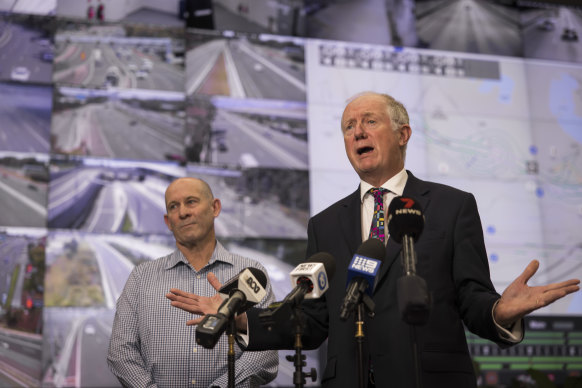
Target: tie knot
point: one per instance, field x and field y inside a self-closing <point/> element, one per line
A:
<point x="378" y="192"/>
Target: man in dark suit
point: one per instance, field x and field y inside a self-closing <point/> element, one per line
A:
<point x="451" y="259"/>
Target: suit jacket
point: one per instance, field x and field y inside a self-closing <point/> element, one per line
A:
<point x="451" y="258"/>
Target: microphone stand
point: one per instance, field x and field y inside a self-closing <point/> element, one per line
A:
<point x="231" y="330"/>
<point x="298" y="359"/>
<point x="366" y="304"/>
<point x="360" y="344"/>
<point x="413" y="300"/>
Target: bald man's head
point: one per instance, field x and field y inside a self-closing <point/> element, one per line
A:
<point x="197" y="184"/>
<point x="191" y="209"/>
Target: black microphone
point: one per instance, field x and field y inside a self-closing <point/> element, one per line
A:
<point x="405" y="224"/>
<point x="242" y="292"/>
<point x="311" y="280"/>
<point x="361" y="279"/>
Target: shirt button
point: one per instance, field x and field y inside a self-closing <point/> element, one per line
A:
<point x="193" y="382"/>
<point x="194" y="350"/>
<point x="198" y="276"/>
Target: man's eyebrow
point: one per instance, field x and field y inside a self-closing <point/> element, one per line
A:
<point x="352" y="119"/>
<point x="348" y="121"/>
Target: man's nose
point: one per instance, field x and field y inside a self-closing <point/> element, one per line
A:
<point x="359" y="132"/>
<point x="183" y="212"/>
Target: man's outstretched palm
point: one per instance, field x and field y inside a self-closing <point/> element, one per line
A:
<point x="519" y="299"/>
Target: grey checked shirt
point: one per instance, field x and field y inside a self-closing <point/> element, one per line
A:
<point x="151" y="346"/>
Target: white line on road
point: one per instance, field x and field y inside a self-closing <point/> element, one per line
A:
<point x="24" y="199"/>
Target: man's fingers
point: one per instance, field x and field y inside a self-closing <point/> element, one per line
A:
<point x="213" y="280"/>
<point x="177" y="291"/>
<point x="552" y="295"/>
<point x="193" y="322"/>
<point x="187" y="300"/>
<point x="185" y="306"/>
<point x="529" y="271"/>
<point x="565" y="284"/>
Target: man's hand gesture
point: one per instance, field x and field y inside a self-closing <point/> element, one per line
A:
<point x="519" y="299"/>
<point x="197" y="304"/>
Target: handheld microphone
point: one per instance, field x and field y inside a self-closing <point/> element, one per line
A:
<point x="405" y="224"/>
<point x="241" y="292"/>
<point x="362" y="272"/>
<point x="311" y="281"/>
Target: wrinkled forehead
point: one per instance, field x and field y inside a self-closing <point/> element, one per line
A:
<point x="364" y="106"/>
<point x="184" y="187"/>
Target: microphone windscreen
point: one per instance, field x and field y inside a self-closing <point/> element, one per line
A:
<point x="372" y="248"/>
<point x="362" y="273"/>
<point x="259" y="275"/>
<point x="327" y="260"/>
<point x="405" y="218"/>
<point x="232" y="284"/>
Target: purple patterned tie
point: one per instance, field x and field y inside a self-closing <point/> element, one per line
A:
<point x="377" y="228"/>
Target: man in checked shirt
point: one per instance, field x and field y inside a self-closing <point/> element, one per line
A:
<point x="150" y="344"/>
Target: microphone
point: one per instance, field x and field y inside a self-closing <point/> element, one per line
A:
<point x="311" y="281"/>
<point x="241" y="293"/>
<point x="315" y="272"/>
<point x="361" y="279"/>
<point x="405" y="224"/>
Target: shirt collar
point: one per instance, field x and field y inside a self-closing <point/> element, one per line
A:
<point x="395" y="184"/>
<point x="219" y="254"/>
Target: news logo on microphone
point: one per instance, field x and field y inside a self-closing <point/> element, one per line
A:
<point x="249" y="282"/>
<point x="361" y="279"/>
<point x="405" y="218"/>
<point x="365" y="267"/>
<point x="315" y="274"/>
<point x="310" y="280"/>
<point x="322" y="282"/>
<point x="365" y="264"/>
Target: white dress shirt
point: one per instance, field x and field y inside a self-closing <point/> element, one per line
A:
<point x="395" y="185"/>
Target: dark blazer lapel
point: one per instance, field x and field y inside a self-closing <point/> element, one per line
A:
<point x="350" y="220"/>
<point x="416" y="189"/>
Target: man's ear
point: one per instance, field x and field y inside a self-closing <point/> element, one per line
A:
<point x="167" y="221"/>
<point x="405" y="133"/>
<point x="216" y="207"/>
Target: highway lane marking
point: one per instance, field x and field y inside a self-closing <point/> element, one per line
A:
<point x="234" y="82"/>
<point x="79" y="186"/>
<point x="292" y="80"/>
<point x="277" y="152"/>
<point x="99" y="213"/>
<point x="41" y="210"/>
<point x="207" y="66"/>
<point x="105" y="275"/>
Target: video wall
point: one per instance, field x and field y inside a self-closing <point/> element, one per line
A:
<point x="104" y="102"/>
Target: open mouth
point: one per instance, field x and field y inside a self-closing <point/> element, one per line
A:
<point x="364" y="150"/>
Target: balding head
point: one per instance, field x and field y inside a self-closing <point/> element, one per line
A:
<point x="188" y="182"/>
<point x="190" y="212"/>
